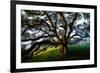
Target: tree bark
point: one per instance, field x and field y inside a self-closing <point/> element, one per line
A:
<point x="63" y="51"/>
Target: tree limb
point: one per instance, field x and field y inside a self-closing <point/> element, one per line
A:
<point x="64" y="26"/>
<point x="54" y="28"/>
<point x="71" y="26"/>
<point x="37" y="38"/>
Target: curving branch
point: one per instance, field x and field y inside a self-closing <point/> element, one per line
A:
<point x="37" y="38"/>
<point x="71" y="26"/>
<point x="54" y="27"/>
<point x="64" y="26"/>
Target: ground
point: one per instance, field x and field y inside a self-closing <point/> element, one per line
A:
<point x="76" y="52"/>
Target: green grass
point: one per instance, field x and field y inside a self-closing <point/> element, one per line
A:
<point x="76" y="52"/>
<point x="79" y="49"/>
<point x="49" y="55"/>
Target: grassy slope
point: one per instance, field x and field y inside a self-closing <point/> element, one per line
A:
<point x="53" y="54"/>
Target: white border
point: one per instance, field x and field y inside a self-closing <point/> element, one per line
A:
<point x="20" y="65"/>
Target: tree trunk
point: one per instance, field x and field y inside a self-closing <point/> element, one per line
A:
<point x="63" y="51"/>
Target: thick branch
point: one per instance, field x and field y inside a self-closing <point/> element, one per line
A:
<point x="71" y="26"/>
<point x="47" y="25"/>
<point x="64" y="26"/>
<point x="37" y="38"/>
<point x="54" y="28"/>
<point x="64" y="21"/>
<point x="45" y="32"/>
<point x="47" y="42"/>
<point x="74" y="36"/>
<point x="50" y="20"/>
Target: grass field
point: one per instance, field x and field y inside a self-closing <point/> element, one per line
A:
<point x="76" y="52"/>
